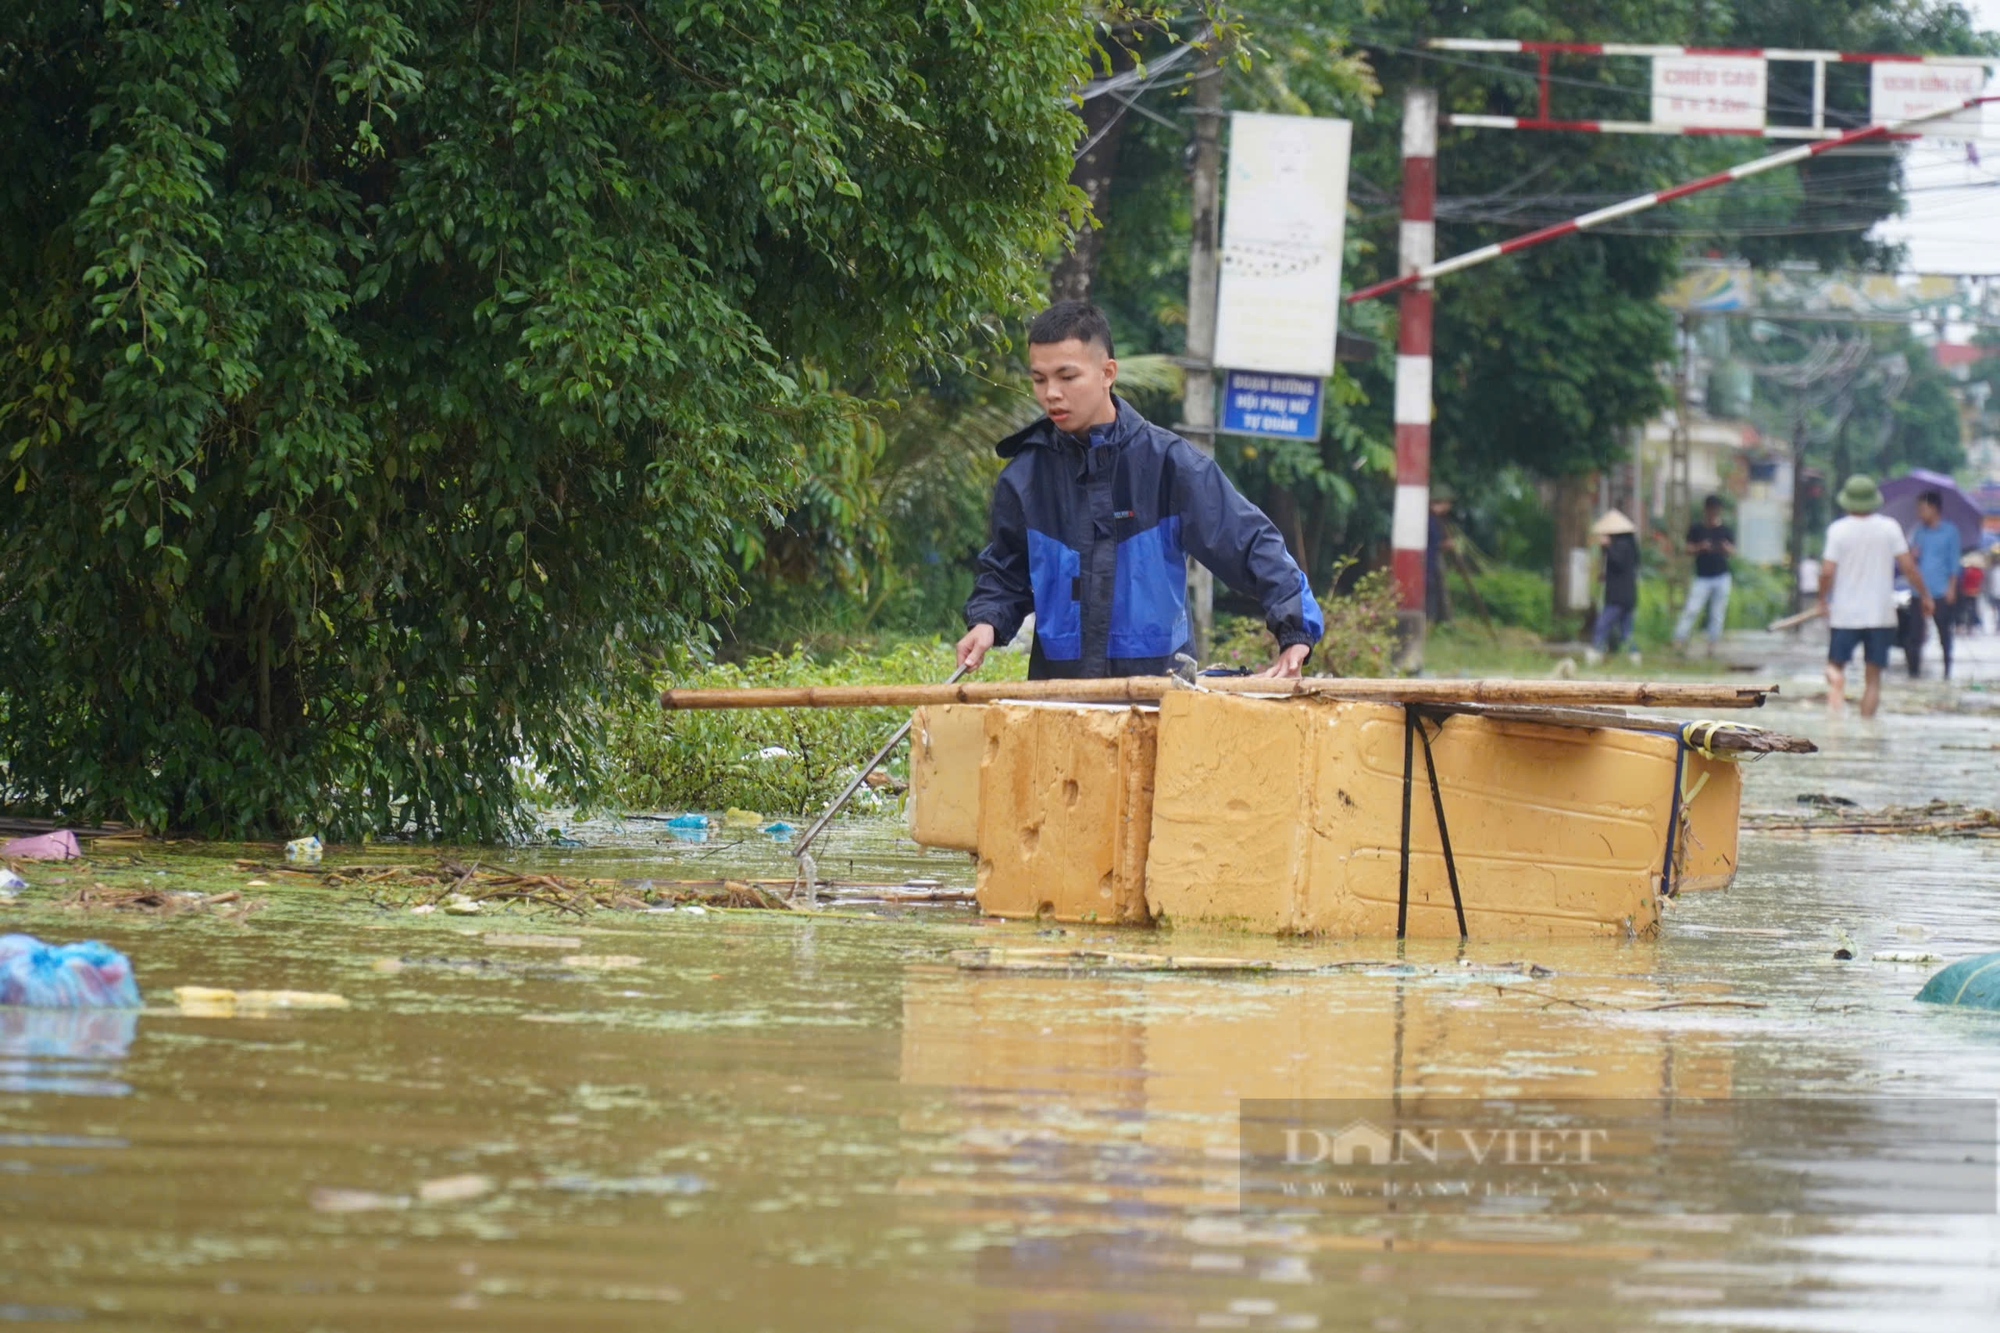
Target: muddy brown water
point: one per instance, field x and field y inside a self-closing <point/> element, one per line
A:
<point x="788" y="1121"/>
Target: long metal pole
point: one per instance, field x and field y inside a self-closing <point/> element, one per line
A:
<point x="1416" y="248"/>
<point x="1641" y="203"/>
<point x="805" y="840"/>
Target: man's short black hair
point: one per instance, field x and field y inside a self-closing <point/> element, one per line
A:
<point x="1933" y="499"/>
<point x="1712" y="502"/>
<point x="1072" y="319"/>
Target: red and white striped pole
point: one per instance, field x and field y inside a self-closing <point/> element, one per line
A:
<point x="1416" y="250"/>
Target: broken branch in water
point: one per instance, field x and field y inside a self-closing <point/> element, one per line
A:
<point x="1937" y="819"/>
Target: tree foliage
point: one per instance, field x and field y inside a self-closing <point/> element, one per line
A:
<point x="380" y="379"/>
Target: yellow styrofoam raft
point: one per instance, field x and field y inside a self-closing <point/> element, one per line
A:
<point x="1285" y="817"/>
<point x="946" y="744"/>
<point x="1065" y="812"/>
<point x="1290" y="820"/>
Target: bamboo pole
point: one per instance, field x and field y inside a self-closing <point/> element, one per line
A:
<point x="1732" y="738"/>
<point x="1150" y="689"/>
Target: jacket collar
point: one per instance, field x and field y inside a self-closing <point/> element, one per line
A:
<point x="1042" y="433"/>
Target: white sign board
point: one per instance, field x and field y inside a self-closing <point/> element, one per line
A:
<point x="1899" y="90"/>
<point x="1760" y="532"/>
<point x="1278" y="306"/>
<point x="1714" y="92"/>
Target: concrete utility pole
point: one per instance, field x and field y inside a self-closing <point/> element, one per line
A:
<point x="1680" y="501"/>
<point x="1204" y="271"/>
<point x="1416" y="248"/>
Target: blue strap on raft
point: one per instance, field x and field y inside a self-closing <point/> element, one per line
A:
<point x="88" y="975"/>
<point x="1970" y="983"/>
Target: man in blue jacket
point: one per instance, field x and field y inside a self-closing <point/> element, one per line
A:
<point x="1094" y="517"/>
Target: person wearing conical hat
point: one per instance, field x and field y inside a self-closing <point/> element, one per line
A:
<point x="1857" y="591"/>
<point x="1617" y="534"/>
<point x="1711" y="542"/>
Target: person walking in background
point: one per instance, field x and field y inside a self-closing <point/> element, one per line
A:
<point x="1935" y="546"/>
<point x="1617" y="535"/>
<point x="1437" y="600"/>
<point x="1857" y="591"/>
<point x="1711" y="542"/>
<point x="1971" y="583"/>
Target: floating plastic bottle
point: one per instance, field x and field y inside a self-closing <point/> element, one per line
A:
<point x="87" y="975"/>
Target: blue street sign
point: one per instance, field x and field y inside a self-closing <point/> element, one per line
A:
<point x="1282" y="406"/>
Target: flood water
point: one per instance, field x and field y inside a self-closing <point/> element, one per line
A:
<point x="743" y="1120"/>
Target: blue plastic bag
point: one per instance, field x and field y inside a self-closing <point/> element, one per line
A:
<point x="688" y="822"/>
<point x="88" y="975"/>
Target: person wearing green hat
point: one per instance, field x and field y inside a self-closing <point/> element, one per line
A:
<point x="1857" y="591"/>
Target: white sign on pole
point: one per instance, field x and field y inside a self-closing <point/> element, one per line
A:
<point x="1714" y="92"/>
<point x="1278" y="305"/>
<point x="1899" y="90"/>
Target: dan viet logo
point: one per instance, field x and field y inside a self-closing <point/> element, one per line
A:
<point x="1584" y="1155"/>
<point x="1364" y="1143"/>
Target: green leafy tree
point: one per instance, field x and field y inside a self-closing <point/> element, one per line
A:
<point x="381" y="379"/>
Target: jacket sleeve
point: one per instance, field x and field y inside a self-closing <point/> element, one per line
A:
<point x="1001" y="592"/>
<point x="1242" y="547"/>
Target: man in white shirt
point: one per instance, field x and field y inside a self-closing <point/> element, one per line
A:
<point x="1857" y="591"/>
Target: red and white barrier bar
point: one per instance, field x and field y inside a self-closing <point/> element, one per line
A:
<point x="1641" y="203"/>
<point x="1416" y="250"/>
<point x="1461" y="121"/>
<point x="1641" y="49"/>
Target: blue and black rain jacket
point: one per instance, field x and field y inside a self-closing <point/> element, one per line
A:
<point x="1092" y="536"/>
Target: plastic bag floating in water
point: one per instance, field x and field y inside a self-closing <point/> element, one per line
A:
<point x="1970" y="983"/>
<point x="88" y="975"/>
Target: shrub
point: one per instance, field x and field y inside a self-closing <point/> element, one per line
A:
<point x="1360" y="635"/>
<point x="660" y="760"/>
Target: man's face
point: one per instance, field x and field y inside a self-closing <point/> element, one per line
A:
<point x="1711" y="514"/>
<point x="1928" y="514"/>
<point x="1073" y="382"/>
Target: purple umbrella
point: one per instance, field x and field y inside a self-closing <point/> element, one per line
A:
<point x="1899" y="501"/>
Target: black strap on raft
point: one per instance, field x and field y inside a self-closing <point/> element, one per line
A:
<point x="1412" y="729"/>
<point x="1444" y="836"/>
<point x="1667" y="885"/>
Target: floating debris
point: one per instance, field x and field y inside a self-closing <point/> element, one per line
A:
<point x="503" y="940"/>
<point x="455" y="1189"/>
<point x="580" y="1183"/>
<point x="355" y="1201"/>
<point x="220" y="1002"/>
<point x="229" y="903"/>
<point x="1971" y="983"/>
<point x="1945" y="819"/>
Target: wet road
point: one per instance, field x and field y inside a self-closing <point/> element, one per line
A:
<point x="782" y="1121"/>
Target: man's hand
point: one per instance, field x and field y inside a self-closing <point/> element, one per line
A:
<point x="978" y="641"/>
<point x="1288" y="663"/>
<point x="1930" y="607"/>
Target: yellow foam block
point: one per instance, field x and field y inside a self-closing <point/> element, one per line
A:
<point x="220" y="1002"/>
<point x="1065" y="812"/>
<point x="1707" y="854"/>
<point x="947" y="742"/>
<point x="1286" y="817"/>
